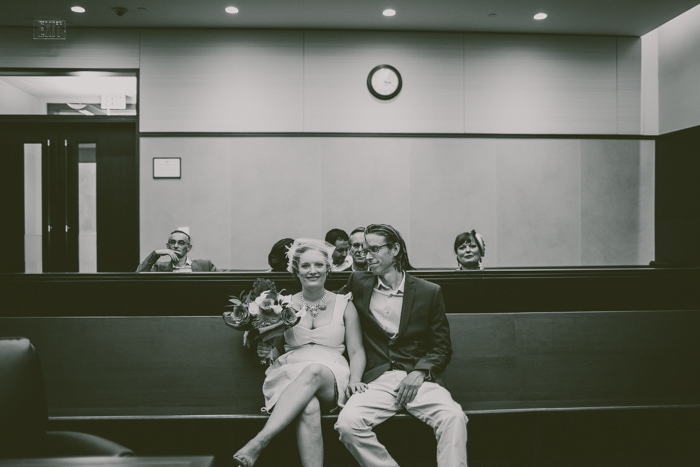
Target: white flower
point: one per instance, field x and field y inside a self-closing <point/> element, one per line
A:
<point x="277" y="309"/>
<point x="263" y="296"/>
<point x="253" y="308"/>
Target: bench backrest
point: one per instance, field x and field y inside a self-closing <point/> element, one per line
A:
<point x="176" y="366"/>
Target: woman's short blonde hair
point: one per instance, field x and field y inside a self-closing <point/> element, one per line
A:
<point x="302" y="245"/>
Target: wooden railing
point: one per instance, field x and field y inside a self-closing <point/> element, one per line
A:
<point x="489" y="291"/>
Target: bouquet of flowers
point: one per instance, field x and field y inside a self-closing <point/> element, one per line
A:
<point x="263" y="313"/>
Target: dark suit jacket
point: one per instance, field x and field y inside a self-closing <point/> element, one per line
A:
<point x="423" y="341"/>
<point x="150" y="264"/>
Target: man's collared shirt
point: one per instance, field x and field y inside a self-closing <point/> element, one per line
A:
<point x="187" y="267"/>
<point x="385" y="305"/>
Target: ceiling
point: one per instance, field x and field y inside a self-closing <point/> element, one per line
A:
<point x="73" y="88"/>
<point x="588" y="17"/>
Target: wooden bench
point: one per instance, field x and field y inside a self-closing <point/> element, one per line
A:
<point x="147" y="382"/>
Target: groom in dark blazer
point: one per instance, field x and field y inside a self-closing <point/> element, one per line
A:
<point x="406" y="337"/>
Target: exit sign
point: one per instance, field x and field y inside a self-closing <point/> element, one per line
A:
<point x="113" y="102"/>
<point x="50" y="29"/>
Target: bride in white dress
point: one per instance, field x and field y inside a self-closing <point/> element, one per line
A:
<point x="313" y="371"/>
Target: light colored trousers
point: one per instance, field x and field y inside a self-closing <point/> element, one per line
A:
<point x="433" y="405"/>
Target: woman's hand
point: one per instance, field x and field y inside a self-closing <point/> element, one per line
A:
<point x="357" y="386"/>
<point x="264" y="349"/>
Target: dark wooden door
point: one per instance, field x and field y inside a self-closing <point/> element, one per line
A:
<point x="70" y="194"/>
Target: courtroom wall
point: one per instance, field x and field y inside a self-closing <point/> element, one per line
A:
<point x="533" y="140"/>
<point x="538" y="202"/>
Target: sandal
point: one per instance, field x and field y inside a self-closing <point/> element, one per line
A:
<point x="241" y="461"/>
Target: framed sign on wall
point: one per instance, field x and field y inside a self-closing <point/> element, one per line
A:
<point x="166" y="167"/>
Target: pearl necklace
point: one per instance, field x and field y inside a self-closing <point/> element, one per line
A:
<point x="316" y="307"/>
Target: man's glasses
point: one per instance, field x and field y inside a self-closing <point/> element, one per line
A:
<point x="177" y="242"/>
<point x="373" y="249"/>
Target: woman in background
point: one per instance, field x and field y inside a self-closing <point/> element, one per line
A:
<point x="312" y="373"/>
<point x="469" y="248"/>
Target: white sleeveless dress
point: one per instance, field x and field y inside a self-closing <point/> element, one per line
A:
<point x="303" y="346"/>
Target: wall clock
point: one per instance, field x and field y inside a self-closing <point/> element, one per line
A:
<point x="384" y="82"/>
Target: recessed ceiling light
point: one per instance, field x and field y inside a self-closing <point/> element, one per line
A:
<point x="77" y="9"/>
<point x="231" y="10"/>
<point x="389" y="12"/>
<point x="540" y="16"/>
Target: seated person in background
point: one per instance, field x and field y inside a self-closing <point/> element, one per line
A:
<point x="176" y="248"/>
<point x="342" y="261"/>
<point x="357" y="252"/>
<point x="277" y="259"/>
<point x="469" y="249"/>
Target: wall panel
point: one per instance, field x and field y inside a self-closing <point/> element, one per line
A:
<point x="221" y="81"/>
<point x="336" y="98"/>
<point x="612" y="172"/>
<point x="199" y="200"/>
<point x="679" y="69"/>
<point x="453" y="189"/>
<point x="629" y="86"/>
<point x="276" y="192"/>
<point x="540" y="84"/>
<point x="366" y="181"/>
<point x="538" y="190"/>
<point x="538" y="202"/>
<point x="82" y="48"/>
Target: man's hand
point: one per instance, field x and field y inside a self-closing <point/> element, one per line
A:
<point x="171" y="253"/>
<point x="408" y="387"/>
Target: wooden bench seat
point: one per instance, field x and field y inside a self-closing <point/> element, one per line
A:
<point x="136" y="371"/>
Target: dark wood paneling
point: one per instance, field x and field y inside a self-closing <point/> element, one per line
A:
<point x="490" y="291"/>
<point x="178" y="366"/>
<point x="574" y="359"/>
<point x="118" y="198"/>
<point x="677" y="197"/>
<point x="12" y="199"/>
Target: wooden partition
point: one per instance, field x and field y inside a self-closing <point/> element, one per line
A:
<point x="488" y="291"/>
<point x="179" y="366"/>
<point x="677" y="200"/>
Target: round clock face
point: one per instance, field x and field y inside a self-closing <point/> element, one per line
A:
<point x="384" y="82"/>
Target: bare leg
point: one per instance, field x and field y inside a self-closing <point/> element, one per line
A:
<point x="309" y="436"/>
<point x="315" y="381"/>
